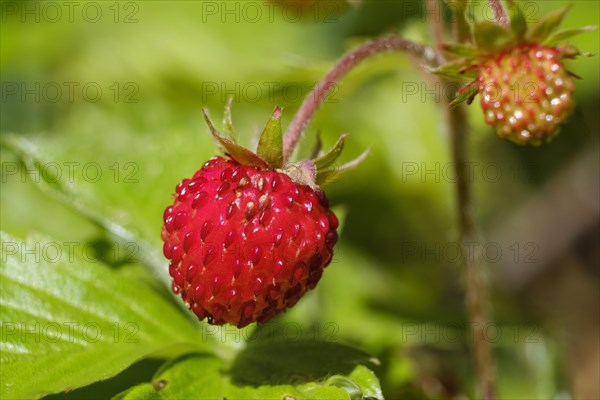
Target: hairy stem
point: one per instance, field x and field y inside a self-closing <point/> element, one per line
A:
<point x="350" y="60"/>
<point x="436" y="24"/>
<point x="499" y="13"/>
<point x="476" y="290"/>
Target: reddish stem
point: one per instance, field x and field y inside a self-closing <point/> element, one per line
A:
<point x="350" y="60"/>
<point x="499" y="13"/>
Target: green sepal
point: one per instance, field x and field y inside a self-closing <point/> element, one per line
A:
<point x="461" y="50"/>
<point x="492" y="38"/>
<point x="227" y="120"/>
<point x="331" y="173"/>
<point x="572" y="52"/>
<point x="459" y="70"/>
<point x="234" y="150"/>
<point x="329" y="158"/>
<point x="326" y="176"/>
<point x="518" y="23"/>
<point x="547" y="25"/>
<point x="270" y="144"/>
<point x="466" y="93"/>
<point x="568" y="33"/>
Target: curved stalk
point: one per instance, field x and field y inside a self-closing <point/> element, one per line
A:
<point x="476" y="298"/>
<point x="349" y="61"/>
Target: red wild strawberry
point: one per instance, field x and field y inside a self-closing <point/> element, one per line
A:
<point x="526" y="92"/>
<point x="245" y="239"/>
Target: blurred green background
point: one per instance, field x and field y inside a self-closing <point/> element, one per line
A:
<point x="112" y="93"/>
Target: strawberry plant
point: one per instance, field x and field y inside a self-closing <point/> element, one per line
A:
<point x="143" y="258"/>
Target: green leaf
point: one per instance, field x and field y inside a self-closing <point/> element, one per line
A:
<point x="237" y="152"/>
<point x="458" y="70"/>
<point x="547" y="25"/>
<point x="568" y="33"/>
<point x="329" y="158"/>
<point x="68" y="322"/>
<point x="367" y="381"/>
<point x="270" y="144"/>
<point x="300" y="370"/>
<point x="518" y="23"/>
<point x="353" y="390"/>
<point x="491" y="37"/>
<point x="30" y="155"/>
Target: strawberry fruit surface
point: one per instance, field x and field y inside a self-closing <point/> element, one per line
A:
<point x="248" y="234"/>
<point x="526" y="93"/>
<point x="245" y="244"/>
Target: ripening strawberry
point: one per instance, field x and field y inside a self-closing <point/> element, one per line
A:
<point x="526" y="91"/>
<point x="246" y="235"/>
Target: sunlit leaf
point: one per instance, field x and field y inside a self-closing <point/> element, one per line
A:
<point x="68" y="322"/>
<point x="301" y="370"/>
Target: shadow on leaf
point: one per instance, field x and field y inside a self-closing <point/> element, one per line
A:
<point x="294" y="363"/>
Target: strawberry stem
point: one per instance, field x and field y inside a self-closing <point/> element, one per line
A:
<point x="436" y="25"/>
<point x="476" y="296"/>
<point x="476" y="289"/>
<point x="499" y="13"/>
<point x="350" y="60"/>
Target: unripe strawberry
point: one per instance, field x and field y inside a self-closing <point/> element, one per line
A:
<point x="247" y="235"/>
<point x="526" y="93"/>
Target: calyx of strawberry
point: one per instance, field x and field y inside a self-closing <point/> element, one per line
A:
<point x="319" y="170"/>
<point x="491" y="40"/>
